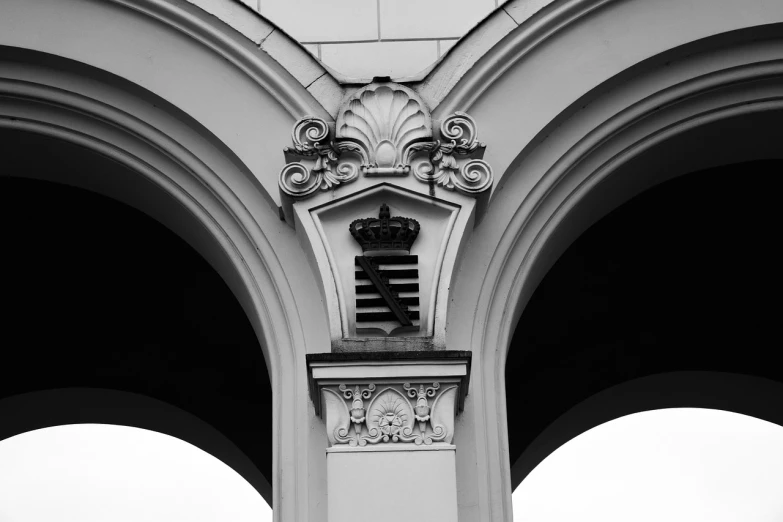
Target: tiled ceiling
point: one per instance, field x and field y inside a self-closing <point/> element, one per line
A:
<point x="367" y="38"/>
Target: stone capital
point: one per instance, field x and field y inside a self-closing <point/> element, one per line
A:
<point x="383" y="401"/>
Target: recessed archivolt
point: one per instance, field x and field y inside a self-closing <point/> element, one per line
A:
<point x="591" y="164"/>
<point x="180" y="187"/>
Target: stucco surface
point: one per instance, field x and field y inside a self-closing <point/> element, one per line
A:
<point x="361" y="39"/>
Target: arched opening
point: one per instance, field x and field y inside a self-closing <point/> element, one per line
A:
<point x="94" y="472"/>
<point x="671" y="281"/>
<point x="678" y="465"/>
<point x="102" y="302"/>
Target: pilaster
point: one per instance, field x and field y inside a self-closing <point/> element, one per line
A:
<point x="384" y="200"/>
<point x="390" y="424"/>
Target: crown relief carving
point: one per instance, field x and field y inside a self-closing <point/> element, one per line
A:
<point x="385" y="232"/>
<point x="385" y="129"/>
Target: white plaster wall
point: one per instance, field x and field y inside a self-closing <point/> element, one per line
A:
<point x="366" y="38"/>
<point x="387" y="486"/>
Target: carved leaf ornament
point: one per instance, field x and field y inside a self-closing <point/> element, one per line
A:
<point x="460" y="138"/>
<point x="390" y="417"/>
<point x="385" y="129"/>
<point x="309" y="137"/>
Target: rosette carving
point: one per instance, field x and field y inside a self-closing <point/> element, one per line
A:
<point x="456" y="164"/>
<point x="319" y="163"/>
<point x="390" y="415"/>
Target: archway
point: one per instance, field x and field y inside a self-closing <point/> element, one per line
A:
<point x="654" y="287"/>
<point x="163" y="162"/>
<point x="113" y="318"/>
<point x="669" y="115"/>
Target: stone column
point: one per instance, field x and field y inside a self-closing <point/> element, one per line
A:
<point x="390" y="423"/>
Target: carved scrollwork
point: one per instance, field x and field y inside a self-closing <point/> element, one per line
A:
<point x="475" y="177"/>
<point x="447" y="168"/>
<point x="390" y="417"/>
<point x="297" y="180"/>
<point x="308" y="134"/>
<point x="385" y="129"/>
<point x="460" y="133"/>
<point x="324" y="169"/>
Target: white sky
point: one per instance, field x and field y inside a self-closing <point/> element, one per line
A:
<point x="669" y="465"/>
<point x="100" y="473"/>
<point x="680" y="465"/>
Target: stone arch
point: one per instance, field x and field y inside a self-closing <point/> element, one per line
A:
<point x="247" y="83"/>
<point x="657" y="286"/>
<point x="98" y="295"/>
<point x="643" y="123"/>
<point x="747" y="395"/>
<point x="179" y="172"/>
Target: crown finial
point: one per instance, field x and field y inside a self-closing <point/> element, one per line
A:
<point x="385" y="232"/>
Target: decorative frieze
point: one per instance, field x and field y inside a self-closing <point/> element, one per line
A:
<point x="402" y="398"/>
<point x="395" y="414"/>
<point x="383" y="130"/>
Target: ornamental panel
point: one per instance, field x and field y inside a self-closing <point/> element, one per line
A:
<point x="379" y="401"/>
<point x="383" y="200"/>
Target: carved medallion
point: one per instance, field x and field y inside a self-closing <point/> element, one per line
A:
<point x="387" y="276"/>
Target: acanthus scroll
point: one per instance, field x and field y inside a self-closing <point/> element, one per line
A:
<point x="446" y="168"/>
<point x="324" y="170"/>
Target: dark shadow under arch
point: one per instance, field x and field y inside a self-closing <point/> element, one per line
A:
<point x="65" y="406"/>
<point x="671" y="281"/>
<point x="97" y="295"/>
